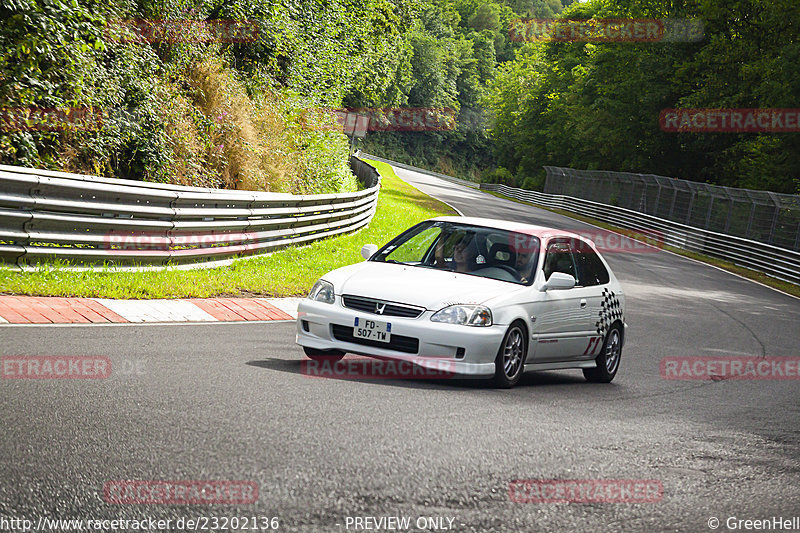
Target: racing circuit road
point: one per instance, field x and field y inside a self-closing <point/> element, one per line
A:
<point x="229" y="402"/>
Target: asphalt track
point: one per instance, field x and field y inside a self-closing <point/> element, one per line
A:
<point x="229" y="402"/>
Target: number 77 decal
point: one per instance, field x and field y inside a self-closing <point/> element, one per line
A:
<point x="595" y="343"/>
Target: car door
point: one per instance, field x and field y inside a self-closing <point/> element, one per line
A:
<point x="561" y="316"/>
<point x="593" y="283"/>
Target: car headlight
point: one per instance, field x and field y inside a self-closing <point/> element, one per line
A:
<point x="467" y="315"/>
<point x="322" y="291"/>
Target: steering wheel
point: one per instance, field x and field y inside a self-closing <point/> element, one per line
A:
<point x="510" y="270"/>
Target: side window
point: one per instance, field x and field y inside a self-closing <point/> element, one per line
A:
<point x="413" y="250"/>
<point x="451" y="240"/>
<point x="559" y="259"/>
<point x="591" y="270"/>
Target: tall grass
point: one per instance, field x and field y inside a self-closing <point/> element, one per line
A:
<point x="227" y="138"/>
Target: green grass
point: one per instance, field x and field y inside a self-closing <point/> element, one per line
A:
<point x="784" y="286"/>
<point x="288" y="272"/>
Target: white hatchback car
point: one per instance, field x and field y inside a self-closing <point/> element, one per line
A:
<point x="489" y="297"/>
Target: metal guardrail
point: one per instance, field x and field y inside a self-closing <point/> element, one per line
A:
<point x="763" y="216"/>
<point x="90" y="220"/>
<point x="772" y="260"/>
<point x="460" y="181"/>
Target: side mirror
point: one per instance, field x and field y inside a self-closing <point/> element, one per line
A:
<point x="368" y="250"/>
<point x="559" y="281"/>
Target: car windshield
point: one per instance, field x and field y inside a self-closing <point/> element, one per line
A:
<point x="466" y="249"/>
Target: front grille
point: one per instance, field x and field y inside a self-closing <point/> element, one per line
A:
<point x="398" y="343"/>
<point x="371" y="305"/>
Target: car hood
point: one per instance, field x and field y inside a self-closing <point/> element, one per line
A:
<point x="419" y="286"/>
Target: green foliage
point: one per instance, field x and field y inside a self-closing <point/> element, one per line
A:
<point x="199" y="112"/>
<point x="456" y="46"/>
<point x="499" y="175"/>
<point x="234" y="114"/>
<point x="354" y="51"/>
<point x="596" y="106"/>
<point x="48" y="58"/>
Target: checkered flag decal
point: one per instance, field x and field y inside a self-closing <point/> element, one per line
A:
<point x="609" y="311"/>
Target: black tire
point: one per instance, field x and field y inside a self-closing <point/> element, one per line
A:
<point x="509" y="364"/>
<point x="609" y="358"/>
<point x="323" y="355"/>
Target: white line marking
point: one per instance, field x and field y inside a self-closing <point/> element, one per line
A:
<point x="156" y="310"/>
<point x="287" y="305"/>
<point x="139" y="324"/>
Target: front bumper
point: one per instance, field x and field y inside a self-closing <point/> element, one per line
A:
<point x="467" y="350"/>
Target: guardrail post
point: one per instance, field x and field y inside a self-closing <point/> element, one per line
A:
<point x="772" y="228"/>
<point x="672" y="205"/>
<point x="691" y="205"/>
<point x="547" y="179"/>
<point x="797" y="238"/>
<point x="658" y="198"/>
<point x="730" y="211"/>
<point x="710" y="208"/>
<point x="750" y="220"/>
<point x="630" y="195"/>
<point x="643" y="201"/>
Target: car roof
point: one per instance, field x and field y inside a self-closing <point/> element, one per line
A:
<point x="528" y="229"/>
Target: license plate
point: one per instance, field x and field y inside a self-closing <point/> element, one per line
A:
<point x="374" y="330"/>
